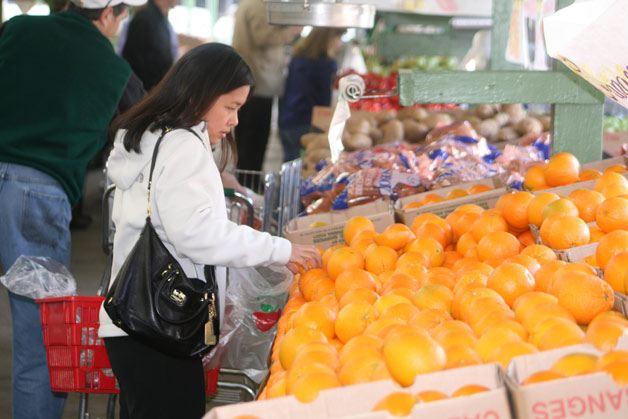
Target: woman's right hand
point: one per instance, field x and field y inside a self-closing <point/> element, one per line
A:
<point x="304" y="257"/>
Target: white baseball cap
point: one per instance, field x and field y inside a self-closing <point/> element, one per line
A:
<point x="101" y="4"/>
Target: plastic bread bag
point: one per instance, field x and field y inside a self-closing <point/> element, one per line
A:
<point x="253" y="304"/>
<point x="39" y="277"/>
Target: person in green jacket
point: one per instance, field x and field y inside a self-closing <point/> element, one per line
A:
<point x="61" y="83"/>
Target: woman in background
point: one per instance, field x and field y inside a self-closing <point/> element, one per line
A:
<point x="310" y="78"/>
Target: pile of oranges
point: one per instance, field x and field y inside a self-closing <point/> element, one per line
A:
<point x="434" y="198"/>
<point x="442" y="293"/>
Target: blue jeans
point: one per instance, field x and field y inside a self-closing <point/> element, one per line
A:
<point x="35" y="222"/>
<point x="291" y="141"/>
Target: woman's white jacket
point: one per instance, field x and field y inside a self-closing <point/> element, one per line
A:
<point x="188" y="211"/>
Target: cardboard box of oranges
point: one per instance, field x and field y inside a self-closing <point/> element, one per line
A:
<point x="325" y="229"/>
<point x="575" y="381"/>
<point x="443" y="201"/>
<point x="469" y="392"/>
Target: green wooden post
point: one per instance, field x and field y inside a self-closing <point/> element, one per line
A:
<point x="499" y="35"/>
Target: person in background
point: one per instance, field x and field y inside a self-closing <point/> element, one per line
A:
<point x="61" y="83"/>
<point x="149" y="42"/>
<point x="198" y="100"/>
<point x="311" y="75"/>
<point x="263" y="47"/>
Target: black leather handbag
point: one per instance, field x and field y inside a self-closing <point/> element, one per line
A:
<point x="154" y="301"/>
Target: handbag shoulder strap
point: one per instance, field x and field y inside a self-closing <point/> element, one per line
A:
<point x="154" y="159"/>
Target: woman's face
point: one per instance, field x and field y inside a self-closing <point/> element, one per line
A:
<point x="222" y="117"/>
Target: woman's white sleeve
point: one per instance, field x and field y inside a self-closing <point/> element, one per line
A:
<point x="192" y="223"/>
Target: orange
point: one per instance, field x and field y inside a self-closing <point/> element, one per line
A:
<point x="466" y="243"/>
<point x="488" y="222"/>
<point x="324" y="288"/>
<point x="530" y="319"/>
<point x="358" y="294"/>
<point x="511" y="280"/>
<point x="317" y="316"/>
<point x="404" y="292"/>
<point x="481" y="309"/>
<point x="610" y="245"/>
<point x="619" y="371"/>
<point x="413" y="260"/>
<point x="509" y="324"/>
<point x="538" y="204"/>
<point x="294" y="340"/>
<point x="343" y="259"/>
<point x="596" y="234"/>
<point x="428" y="319"/>
<point x="456" y="193"/>
<point x="314" y="356"/>
<point x="470" y="208"/>
<point x="386" y="301"/>
<point x="433" y="296"/>
<point x="531" y="264"/>
<point x="362" y="368"/>
<point x="469" y="390"/>
<point x="469" y="280"/>
<point x="353" y="319"/>
<point x="359" y="344"/>
<point x="327" y="254"/>
<point x="431" y="218"/>
<point x="490" y="342"/>
<point x="397" y="403"/>
<point x="512" y="349"/>
<point x="463" y="299"/>
<point x="514" y="208"/>
<point x="589" y="174"/>
<point x="585" y="296"/>
<point x="587" y="202"/>
<point x="353" y="278"/>
<point x="307" y="387"/>
<point x="408" y="354"/>
<point x="562" y="275"/>
<point x="578" y="363"/>
<point x="434" y="231"/>
<point x="612" y="184"/>
<point x="616" y="272"/>
<point x="308" y="282"/>
<point x="395" y="236"/>
<point x="380" y="259"/>
<point x="461" y="221"/>
<point x="430" y="248"/>
<point x="451" y="257"/>
<point x="426" y="396"/>
<point x="432" y="199"/>
<point x="361" y="243"/>
<point x="401" y="280"/>
<point x="466" y="265"/>
<point x="441" y="276"/>
<point x="382" y="325"/>
<point x="605" y="334"/>
<point x="498" y="245"/>
<point x="403" y="311"/>
<point x="479" y="188"/>
<point x="526" y="238"/>
<point x="276" y="389"/>
<point x="610" y="357"/>
<point x="562" y="169"/>
<point x="562" y="206"/>
<point x="612" y="214"/>
<point x="461" y="356"/>
<point x="564" y="232"/>
<point x="528" y="301"/>
<point x="555" y="333"/>
<point x="356" y="225"/>
<point x="542" y="376"/>
<point x="540" y="252"/>
<point x="535" y="178"/>
<point x="619" y="168"/>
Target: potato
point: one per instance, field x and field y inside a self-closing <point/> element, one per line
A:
<point x="393" y="131"/>
<point x="515" y="110"/>
<point x="484" y="111"/>
<point x="437" y="119"/>
<point x="308" y="138"/>
<point x="321" y="141"/>
<point x="508" y="134"/>
<point x="358" y="123"/>
<point x="502" y="118"/>
<point x="413" y="131"/>
<point x="376" y="134"/>
<point x="358" y="142"/>
<point x="417" y="114"/>
<point x="318" y="154"/>
<point x="546" y="121"/>
<point x="488" y="129"/>
<point x="459" y="114"/>
<point x="529" y="125"/>
<point x="383" y="117"/>
<point x="474" y="121"/>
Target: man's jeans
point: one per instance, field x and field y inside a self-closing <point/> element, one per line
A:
<point x="35" y="216"/>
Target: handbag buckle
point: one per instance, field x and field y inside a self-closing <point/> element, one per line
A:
<point x="178" y="297"/>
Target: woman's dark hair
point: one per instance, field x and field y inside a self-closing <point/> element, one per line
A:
<point x="186" y="93"/>
<point x="94" y="14"/>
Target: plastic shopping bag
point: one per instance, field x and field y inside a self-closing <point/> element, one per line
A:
<point x="253" y="304"/>
<point x="39" y="277"/>
<point x="590" y="38"/>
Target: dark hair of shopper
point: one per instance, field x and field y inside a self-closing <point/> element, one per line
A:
<point x="94" y="14"/>
<point x="186" y="93"/>
<point x="316" y="44"/>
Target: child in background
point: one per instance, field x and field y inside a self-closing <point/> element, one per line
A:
<point x="310" y="78"/>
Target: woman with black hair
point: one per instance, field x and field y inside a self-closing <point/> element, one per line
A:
<point x="196" y="104"/>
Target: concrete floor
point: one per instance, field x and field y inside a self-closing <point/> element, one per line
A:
<point x="88" y="262"/>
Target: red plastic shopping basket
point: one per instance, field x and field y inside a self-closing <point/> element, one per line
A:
<point x="77" y="359"/>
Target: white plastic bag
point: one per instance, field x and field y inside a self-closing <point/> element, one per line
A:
<point x="39" y="277"/>
<point x="590" y="38"/>
<point x="253" y="304"/>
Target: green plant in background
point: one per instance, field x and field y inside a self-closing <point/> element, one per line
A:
<point x="615" y="124"/>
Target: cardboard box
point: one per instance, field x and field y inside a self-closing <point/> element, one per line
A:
<point x="442" y="209"/>
<point x="300" y="230"/>
<point x="357" y="401"/>
<point x="601" y="165"/>
<point x="321" y="117"/>
<point x="586" y="396"/>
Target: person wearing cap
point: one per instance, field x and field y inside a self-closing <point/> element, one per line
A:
<point x="61" y="83"/>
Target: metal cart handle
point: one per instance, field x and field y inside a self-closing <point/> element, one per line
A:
<point x="244" y="200"/>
